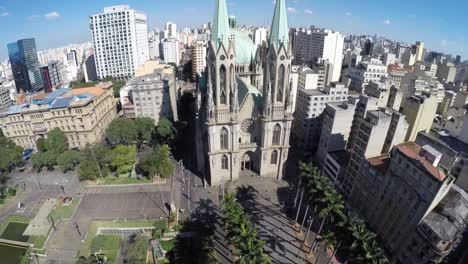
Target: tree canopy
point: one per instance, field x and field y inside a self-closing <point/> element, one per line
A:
<point x="144" y="127"/>
<point x="158" y="162"/>
<point x="165" y="131"/>
<point x="11" y="154"/>
<point x="56" y="141"/>
<point x="121" y="131"/>
<point x="68" y="160"/>
<point x="123" y="158"/>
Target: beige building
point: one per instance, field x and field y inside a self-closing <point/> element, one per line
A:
<point x="198" y="59"/>
<point x="83" y="114"/>
<point x="373" y="134"/>
<point x="420" y="112"/>
<point x="152" y="92"/>
<point x="413" y="207"/>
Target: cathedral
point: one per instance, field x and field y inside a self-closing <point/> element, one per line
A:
<point x="244" y="101"/>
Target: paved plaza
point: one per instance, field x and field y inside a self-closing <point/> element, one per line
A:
<point x="265" y="199"/>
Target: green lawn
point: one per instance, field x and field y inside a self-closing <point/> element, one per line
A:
<point x="38" y="241"/>
<point x="93" y="227"/>
<point x="108" y="245"/>
<point x="14" y="231"/>
<point x="122" y="181"/>
<point x="64" y="212"/>
<point x="167" y="245"/>
<point x="14" y="218"/>
<point x="163" y="261"/>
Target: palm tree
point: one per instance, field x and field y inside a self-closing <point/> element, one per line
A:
<point x="333" y="206"/>
<point x="329" y="242"/>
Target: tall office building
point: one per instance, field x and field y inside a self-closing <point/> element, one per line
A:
<point x="419" y="48"/>
<point x="312" y="44"/>
<point x="120" y="38"/>
<point x="25" y="65"/>
<point x="198" y="59"/>
<point x="52" y="75"/>
<point x="260" y="36"/>
<point x="154" y="45"/>
<point x="420" y="112"/>
<point x="308" y="115"/>
<point x="171" y="51"/>
<point x="170" y="31"/>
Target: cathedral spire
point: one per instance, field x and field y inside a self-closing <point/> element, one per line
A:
<point x="220" y="31"/>
<point x="279" y="32"/>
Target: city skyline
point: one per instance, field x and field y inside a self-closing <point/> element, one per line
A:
<point x="55" y="20"/>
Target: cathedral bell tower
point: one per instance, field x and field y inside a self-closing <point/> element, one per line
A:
<point x="277" y="97"/>
<point x="222" y="100"/>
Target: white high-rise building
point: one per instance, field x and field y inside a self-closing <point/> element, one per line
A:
<point x="170" y="31"/>
<point x="120" y="38"/>
<point x="260" y="36"/>
<point x="154" y="44"/>
<point x="314" y="43"/>
<point x="171" y="52"/>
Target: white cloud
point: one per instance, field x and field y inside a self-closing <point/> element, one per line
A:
<point x="292" y="10"/>
<point x="3" y="12"/>
<point x="52" y="15"/>
<point x="308" y="11"/>
<point x="348" y="14"/>
<point x="387" y="22"/>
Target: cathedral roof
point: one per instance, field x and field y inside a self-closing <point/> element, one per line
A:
<point x="221" y="32"/>
<point x="245" y="48"/>
<point x="245" y="89"/>
<point x="279" y="32"/>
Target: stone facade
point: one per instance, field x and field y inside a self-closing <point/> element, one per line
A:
<point x="242" y="128"/>
<point x="83" y="114"/>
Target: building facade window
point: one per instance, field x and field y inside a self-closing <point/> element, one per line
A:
<point x="281" y="80"/>
<point x="224" y="138"/>
<point x="223" y="85"/>
<point x="274" y="157"/>
<point x="224" y="163"/>
<point x="276" y="134"/>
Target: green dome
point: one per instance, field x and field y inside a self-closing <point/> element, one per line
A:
<point x="245" y="48"/>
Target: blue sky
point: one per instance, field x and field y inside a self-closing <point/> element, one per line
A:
<point x="442" y="25"/>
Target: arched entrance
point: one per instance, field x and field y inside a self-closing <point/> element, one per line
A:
<point x="248" y="160"/>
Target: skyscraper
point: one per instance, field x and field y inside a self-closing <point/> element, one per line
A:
<point x="25" y="65"/>
<point x="120" y="38"/>
<point x="314" y="43"/>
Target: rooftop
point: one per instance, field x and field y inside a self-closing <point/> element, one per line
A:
<point x="60" y="98"/>
<point x="450" y="215"/>
<point x="412" y="150"/>
<point x="381" y="163"/>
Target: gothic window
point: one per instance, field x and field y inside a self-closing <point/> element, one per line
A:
<point x="274" y="157"/>
<point x="276" y="134"/>
<point x="223" y="83"/>
<point x="224" y="138"/>
<point x="280" y="87"/>
<point x="224" y="163"/>
<point x="231" y="85"/>
<point x="213" y="82"/>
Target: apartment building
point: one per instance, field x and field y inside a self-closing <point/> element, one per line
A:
<point x="310" y="105"/>
<point x="420" y="112"/>
<point x="83" y="114"/>
<point x="413" y="207"/>
<point x="198" y="59"/>
<point x="336" y="126"/>
<point x="365" y="72"/>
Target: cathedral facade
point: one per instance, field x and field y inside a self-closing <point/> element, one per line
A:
<point x="244" y="102"/>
